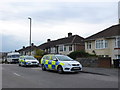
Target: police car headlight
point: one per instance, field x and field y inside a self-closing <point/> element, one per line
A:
<point x="80" y="65"/>
<point x="68" y="64"/>
<point x="29" y="62"/>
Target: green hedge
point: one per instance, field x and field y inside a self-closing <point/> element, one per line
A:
<point x="78" y="54"/>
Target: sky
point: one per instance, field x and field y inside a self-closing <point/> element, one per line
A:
<point x="52" y="19"/>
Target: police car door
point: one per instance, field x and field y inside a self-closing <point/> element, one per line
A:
<point x="54" y="66"/>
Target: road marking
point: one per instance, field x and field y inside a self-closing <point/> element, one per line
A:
<point x="16" y="74"/>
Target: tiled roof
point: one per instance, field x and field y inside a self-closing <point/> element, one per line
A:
<point x="27" y="48"/>
<point x="68" y="40"/>
<point x="109" y="32"/>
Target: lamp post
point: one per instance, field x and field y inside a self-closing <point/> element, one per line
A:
<point x="30" y="34"/>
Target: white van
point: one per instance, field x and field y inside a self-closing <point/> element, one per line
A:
<point x="13" y="57"/>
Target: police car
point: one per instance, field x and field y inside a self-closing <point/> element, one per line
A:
<point x="28" y="61"/>
<point x="60" y="63"/>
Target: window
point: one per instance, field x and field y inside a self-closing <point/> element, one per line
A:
<point x="47" y="57"/>
<point x="52" y="50"/>
<point x="65" y="48"/>
<point x="53" y="57"/>
<point x="61" y="47"/>
<point x="117" y="42"/>
<point x="106" y="43"/>
<point x="117" y="56"/>
<point x="89" y="45"/>
<point x="64" y="58"/>
<point x="44" y="57"/>
<point x="106" y="55"/>
<point x="70" y="48"/>
<point x="101" y="44"/>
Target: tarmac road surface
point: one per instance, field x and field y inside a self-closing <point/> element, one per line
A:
<point x="14" y="76"/>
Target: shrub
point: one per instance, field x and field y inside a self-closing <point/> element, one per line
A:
<point x="77" y="54"/>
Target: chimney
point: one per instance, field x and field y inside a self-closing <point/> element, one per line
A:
<point x="48" y="40"/>
<point x="23" y="47"/>
<point x="69" y="34"/>
<point x="32" y="44"/>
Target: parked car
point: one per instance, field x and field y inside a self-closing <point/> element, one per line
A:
<point x="28" y="61"/>
<point x="60" y="63"/>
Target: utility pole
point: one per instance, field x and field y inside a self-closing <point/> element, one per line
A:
<point x="30" y="33"/>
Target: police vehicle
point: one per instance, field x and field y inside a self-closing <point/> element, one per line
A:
<point x="12" y="57"/>
<point x="28" y="61"/>
<point x="60" y="63"/>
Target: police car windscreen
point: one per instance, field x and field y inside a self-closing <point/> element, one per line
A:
<point x="64" y="58"/>
<point x="30" y="58"/>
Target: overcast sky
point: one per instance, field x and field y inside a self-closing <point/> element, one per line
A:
<point x="53" y="19"/>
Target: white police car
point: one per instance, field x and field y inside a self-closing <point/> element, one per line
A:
<point x="60" y="63"/>
<point x="28" y="61"/>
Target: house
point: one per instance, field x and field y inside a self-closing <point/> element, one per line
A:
<point x="26" y="50"/>
<point x="105" y="43"/>
<point x="63" y="45"/>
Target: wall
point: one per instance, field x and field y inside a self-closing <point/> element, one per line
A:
<point x="95" y="62"/>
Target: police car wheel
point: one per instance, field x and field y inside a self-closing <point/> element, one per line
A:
<point x="43" y="68"/>
<point x="60" y="70"/>
<point x="19" y="64"/>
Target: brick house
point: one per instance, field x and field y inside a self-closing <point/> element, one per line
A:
<point x="63" y="45"/>
<point x="26" y="50"/>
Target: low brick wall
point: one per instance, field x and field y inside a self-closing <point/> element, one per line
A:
<point x="95" y="62"/>
<point x="88" y="62"/>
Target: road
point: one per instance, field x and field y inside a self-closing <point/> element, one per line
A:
<point x="14" y="76"/>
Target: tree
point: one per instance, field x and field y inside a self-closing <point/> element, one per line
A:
<point x="38" y="54"/>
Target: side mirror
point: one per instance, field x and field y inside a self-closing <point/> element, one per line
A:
<point x="55" y="60"/>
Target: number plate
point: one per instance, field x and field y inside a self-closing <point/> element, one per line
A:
<point x="76" y="68"/>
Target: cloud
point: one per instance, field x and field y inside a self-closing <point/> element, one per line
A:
<point x="10" y="43"/>
<point x="52" y="20"/>
<point x="85" y="12"/>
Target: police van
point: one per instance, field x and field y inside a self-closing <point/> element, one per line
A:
<point x="60" y="63"/>
<point x="28" y="61"/>
<point x="12" y="57"/>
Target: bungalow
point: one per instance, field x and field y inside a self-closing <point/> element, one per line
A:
<point x="105" y="43"/>
<point x="63" y="45"/>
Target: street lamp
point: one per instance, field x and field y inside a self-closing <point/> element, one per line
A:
<point x="30" y="34"/>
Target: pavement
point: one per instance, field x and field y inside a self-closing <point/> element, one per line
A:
<point x="102" y="71"/>
<point x="14" y="76"/>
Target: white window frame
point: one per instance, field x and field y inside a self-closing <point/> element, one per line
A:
<point x="117" y="41"/>
<point x="65" y="48"/>
<point x="101" y="44"/>
<point x="89" y="45"/>
<point x="117" y="56"/>
<point x="61" y="48"/>
<point x="70" y="46"/>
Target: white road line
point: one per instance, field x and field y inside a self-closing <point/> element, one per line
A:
<point x="16" y="74"/>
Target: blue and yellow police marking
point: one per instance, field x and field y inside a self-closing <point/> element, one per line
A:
<point x="50" y="64"/>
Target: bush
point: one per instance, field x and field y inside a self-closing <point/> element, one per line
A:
<point x="38" y="54"/>
<point x="78" y="54"/>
